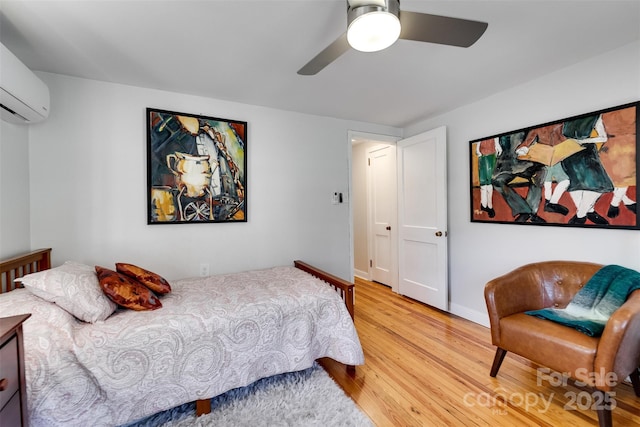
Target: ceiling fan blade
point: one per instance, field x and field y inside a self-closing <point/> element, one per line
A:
<point x="424" y="27"/>
<point x="326" y="57"/>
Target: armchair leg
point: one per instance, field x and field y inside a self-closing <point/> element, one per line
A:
<point x="604" y="413"/>
<point x="635" y="381"/>
<point x="497" y="361"/>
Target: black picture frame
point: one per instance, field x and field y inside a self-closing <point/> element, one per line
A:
<point x="579" y="171"/>
<point x="196" y="168"/>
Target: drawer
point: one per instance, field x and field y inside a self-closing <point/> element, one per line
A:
<point x="9" y="370"/>
<point x="10" y="416"/>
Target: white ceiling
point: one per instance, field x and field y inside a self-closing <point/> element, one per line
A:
<point x="250" y="51"/>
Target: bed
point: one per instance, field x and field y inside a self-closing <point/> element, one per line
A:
<point x="212" y="334"/>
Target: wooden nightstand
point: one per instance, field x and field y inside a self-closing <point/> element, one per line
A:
<point x="13" y="389"/>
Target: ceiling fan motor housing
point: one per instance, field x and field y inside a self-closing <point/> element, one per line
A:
<point x="373" y="27"/>
<point x="390" y="6"/>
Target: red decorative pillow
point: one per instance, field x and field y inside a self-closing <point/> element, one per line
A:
<point x="125" y="291"/>
<point x="150" y="279"/>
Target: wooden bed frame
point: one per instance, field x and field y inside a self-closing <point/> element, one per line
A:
<point x="40" y="259"/>
<point x="21" y="265"/>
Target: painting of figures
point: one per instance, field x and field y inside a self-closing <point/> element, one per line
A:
<point x="196" y="168"/>
<point x="579" y="171"/>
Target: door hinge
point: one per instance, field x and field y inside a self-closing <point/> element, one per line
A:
<point x="369" y="161"/>
<point x="370" y="263"/>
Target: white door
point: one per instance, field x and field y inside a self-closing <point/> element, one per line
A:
<point x="422" y="218"/>
<point x="381" y="178"/>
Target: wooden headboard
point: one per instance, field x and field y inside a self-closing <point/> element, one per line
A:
<point x="21" y="265"/>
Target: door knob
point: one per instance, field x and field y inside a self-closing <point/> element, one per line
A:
<point x="439" y="233"/>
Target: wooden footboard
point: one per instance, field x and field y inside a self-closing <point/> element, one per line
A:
<point x="16" y="267"/>
<point x="344" y="288"/>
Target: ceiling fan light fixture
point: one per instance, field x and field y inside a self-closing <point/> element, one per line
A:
<point x="372" y="28"/>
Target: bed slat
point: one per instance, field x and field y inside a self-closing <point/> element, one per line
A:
<point x="16" y="267"/>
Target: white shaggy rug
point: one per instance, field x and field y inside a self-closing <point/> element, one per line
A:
<point x="298" y="399"/>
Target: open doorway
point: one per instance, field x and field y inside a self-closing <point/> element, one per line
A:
<point x="409" y="243"/>
<point x="374" y="207"/>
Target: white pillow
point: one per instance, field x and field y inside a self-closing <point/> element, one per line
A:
<point x="74" y="287"/>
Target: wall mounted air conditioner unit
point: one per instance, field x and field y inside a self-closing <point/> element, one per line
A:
<point x="24" y="98"/>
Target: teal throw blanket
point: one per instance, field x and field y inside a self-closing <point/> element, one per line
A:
<point x="592" y="306"/>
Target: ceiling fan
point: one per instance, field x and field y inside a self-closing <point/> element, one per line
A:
<point x="376" y="24"/>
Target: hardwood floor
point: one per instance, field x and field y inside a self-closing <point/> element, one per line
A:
<point x="424" y="367"/>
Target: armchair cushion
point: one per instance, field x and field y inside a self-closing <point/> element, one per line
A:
<point x="545" y="343"/>
<point x="593" y="304"/>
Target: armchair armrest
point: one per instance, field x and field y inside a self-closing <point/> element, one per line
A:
<point x="514" y="292"/>
<point x="619" y="347"/>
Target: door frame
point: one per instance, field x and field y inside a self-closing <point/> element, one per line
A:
<point x="353" y="138"/>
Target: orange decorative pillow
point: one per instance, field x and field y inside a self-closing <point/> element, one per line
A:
<point x="125" y="291"/>
<point x="151" y="280"/>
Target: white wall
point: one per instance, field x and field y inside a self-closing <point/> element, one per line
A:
<point x="88" y="184"/>
<point x="14" y="189"/>
<point x="479" y="252"/>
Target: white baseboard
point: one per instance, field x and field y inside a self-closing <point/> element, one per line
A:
<point x="475" y="316"/>
<point x="361" y="274"/>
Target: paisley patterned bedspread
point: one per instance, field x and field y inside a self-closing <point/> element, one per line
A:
<point x="212" y="335"/>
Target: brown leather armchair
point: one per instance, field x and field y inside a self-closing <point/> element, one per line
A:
<point x="591" y="360"/>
